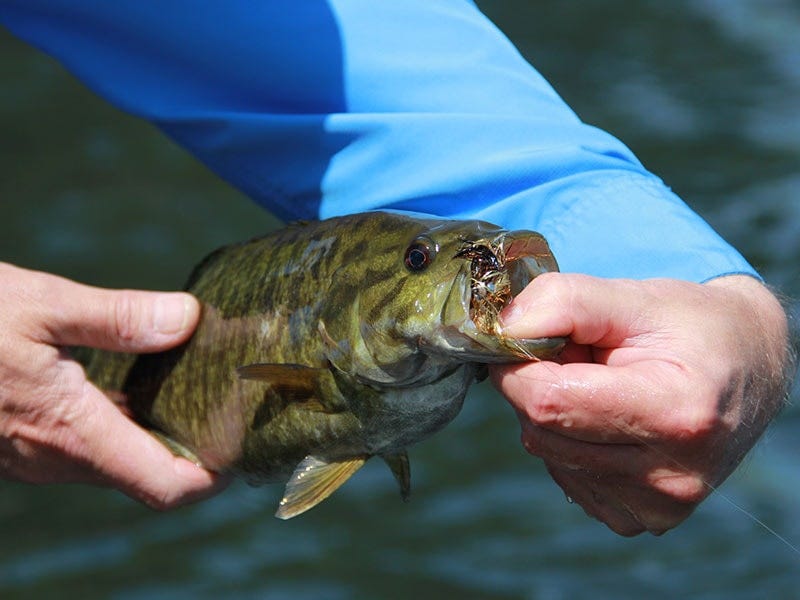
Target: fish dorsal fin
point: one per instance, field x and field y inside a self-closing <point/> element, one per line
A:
<point x="401" y="469"/>
<point x="314" y="480"/>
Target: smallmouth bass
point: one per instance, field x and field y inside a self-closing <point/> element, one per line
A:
<point x="326" y="343"/>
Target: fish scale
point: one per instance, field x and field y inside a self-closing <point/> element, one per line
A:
<point x="326" y="343"/>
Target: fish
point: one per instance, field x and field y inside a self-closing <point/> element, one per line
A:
<point x="329" y="342"/>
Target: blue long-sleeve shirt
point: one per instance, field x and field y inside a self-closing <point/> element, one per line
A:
<point x="319" y="108"/>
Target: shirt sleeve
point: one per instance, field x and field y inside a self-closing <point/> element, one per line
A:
<point x="320" y="108"/>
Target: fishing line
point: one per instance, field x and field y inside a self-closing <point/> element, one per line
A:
<point x="725" y="497"/>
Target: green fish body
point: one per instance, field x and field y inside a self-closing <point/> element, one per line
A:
<point x="326" y="343"/>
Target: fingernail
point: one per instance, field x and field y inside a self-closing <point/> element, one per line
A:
<point x="171" y="314"/>
<point x="510" y="316"/>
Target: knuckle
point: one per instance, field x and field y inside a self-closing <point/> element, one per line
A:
<point x="685" y="489"/>
<point x="626" y="528"/>
<point x="160" y="504"/>
<point x="159" y="500"/>
<point x="126" y="317"/>
<point x="697" y="423"/>
<point x="546" y="408"/>
<point x="561" y="293"/>
<point x="698" y="418"/>
<point x="546" y="290"/>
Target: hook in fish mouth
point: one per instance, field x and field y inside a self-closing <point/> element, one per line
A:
<point x="493" y="271"/>
<point x="500" y="269"/>
<point x="490" y="284"/>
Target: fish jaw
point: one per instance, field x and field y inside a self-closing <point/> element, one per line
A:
<point x="525" y="255"/>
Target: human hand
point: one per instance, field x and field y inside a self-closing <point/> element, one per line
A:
<point x="55" y="426"/>
<point x="663" y="388"/>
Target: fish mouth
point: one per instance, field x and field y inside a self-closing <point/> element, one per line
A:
<point x="498" y="269"/>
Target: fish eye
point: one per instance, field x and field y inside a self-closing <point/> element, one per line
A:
<point x="419" y="255"/>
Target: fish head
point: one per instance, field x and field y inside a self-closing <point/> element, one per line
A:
<point x="481" y="269"/>
<point x="432" y="294"/>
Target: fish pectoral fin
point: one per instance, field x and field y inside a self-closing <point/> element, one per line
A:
<point x="291" y="383"/>
<point x="314" y="480"/>
<point x="401" y="469"/>
<point x="298" y="377"/>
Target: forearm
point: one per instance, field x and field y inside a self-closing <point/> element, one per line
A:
<point x="338" y="107"/>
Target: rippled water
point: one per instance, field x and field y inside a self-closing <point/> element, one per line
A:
<point x="707" y="92"/>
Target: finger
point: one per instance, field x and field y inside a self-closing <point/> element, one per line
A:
<point x="646" y="466"/>
<point x="589" y="310"/>
<point x="597" y="403"/>
<point x="120" y="320"/>
<point x="640" y="482"/>
<point x="595" y="501"/>
<point x="612" y="460"/>
<point x="126" y="457"/>
<point x="625" y="506"/>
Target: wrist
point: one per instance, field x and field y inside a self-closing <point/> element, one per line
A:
<point x="764" y="329"/>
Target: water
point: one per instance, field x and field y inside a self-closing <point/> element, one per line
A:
<point x="706" y="92"/>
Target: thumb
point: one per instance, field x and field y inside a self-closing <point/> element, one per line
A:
<point x="589" y="310"/>
<point x="131" y="460"/>
<point x="73" y="314"/>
